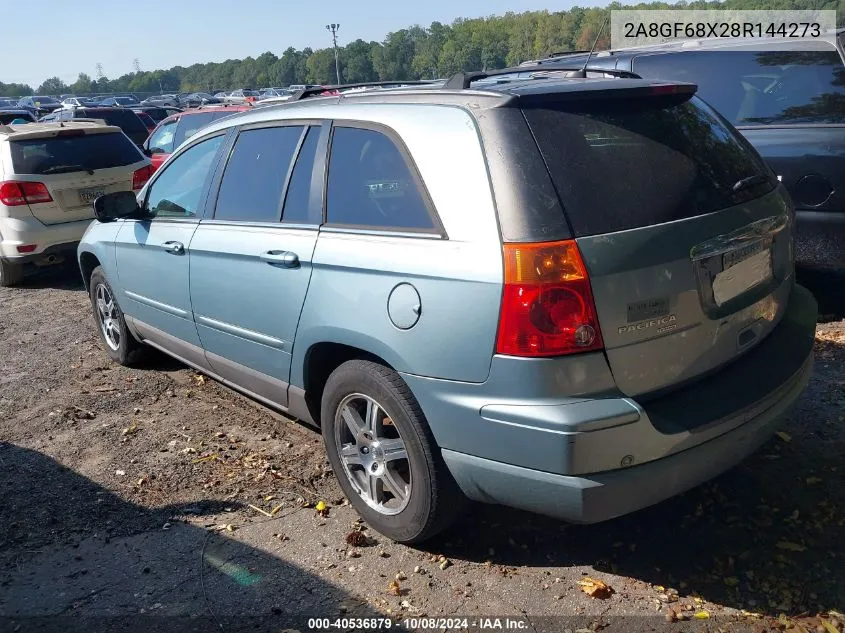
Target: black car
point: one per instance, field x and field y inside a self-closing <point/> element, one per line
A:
<point x="118" y="102"/>
<point x="197" y="99"/>
<point x="39" y="105"/>
<point x="7" y="115"/>
<point x="124" y="118"/>
<point x="790" y="104"/>
<point x="156" y="113"/>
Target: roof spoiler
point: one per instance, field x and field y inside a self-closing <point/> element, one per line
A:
<point x="310" y="92"/>
<point x="462" y="81"/>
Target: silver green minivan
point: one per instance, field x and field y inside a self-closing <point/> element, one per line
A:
<point x="570" y="295"/>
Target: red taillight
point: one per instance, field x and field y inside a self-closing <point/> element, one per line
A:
<point x="27" y="248"/>
<point x="547" y="305"/>
<point x="141" y="176"/>
<point x="15" y="194"/>
<point x="71" y="132"/>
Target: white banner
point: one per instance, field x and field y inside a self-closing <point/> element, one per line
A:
<point x="767" y="30"/>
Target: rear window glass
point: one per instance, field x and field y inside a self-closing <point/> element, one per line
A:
<point x="759" y="87"/>
<point x="126" y="120"/>
<point x="190" y="124"/>
<point x="8" y="117"/>
<point x="74" y="153"/>
<point x="636" y="162"/>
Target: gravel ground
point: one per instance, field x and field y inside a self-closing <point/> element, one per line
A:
<point x="96" y="454"/>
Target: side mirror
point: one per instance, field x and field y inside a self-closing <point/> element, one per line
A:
<point x="118" y="204"/>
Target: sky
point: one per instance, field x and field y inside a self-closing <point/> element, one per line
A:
<point x="73" y="37"/>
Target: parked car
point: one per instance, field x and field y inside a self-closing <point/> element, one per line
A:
<point x="157" y="113"/>
<point x="8" y="103"/>
<point x="118" y="102"/>
<point x="124" y="118"/>
<point x="242" y="96"/>
<point x="586" y="225"/>
<point x="790" y="104"/>
<point x="39" y="105"/>
<point x="49" y="178"/>
<point x="163" y="101"/>
<point x="177" y="128"/>
<point x="7" y="115"/>
<point x="221" y="95"/>
<point x="197" y="99"/>
<point x="77" y="102"/>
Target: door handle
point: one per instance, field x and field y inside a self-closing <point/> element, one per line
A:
<point x="174" y="248"/>
<point x="286" y="259"/>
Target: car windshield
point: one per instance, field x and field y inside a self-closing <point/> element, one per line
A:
<point x="74" y="153"/>
<point x="250" y="93"/>
<point x="44" y="100"/>
<point x="759" y="87"/>
<point x="124" y="100"/>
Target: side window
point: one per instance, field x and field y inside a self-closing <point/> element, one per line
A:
<point x="252" y="186"/>
<point x="371" y="185"/>
<point x="161" y="142"/>
<point x="299" y="189"/>
<point x="177" y="192"/>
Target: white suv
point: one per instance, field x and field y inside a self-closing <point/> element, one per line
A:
<point x="50" y="174"/>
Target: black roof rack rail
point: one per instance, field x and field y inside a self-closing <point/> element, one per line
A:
<point x="562" y="53"/>
<point x="462" y="81"/>
<point x="310" y="92"/>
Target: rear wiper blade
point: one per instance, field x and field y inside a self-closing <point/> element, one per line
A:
<point x="749" y="181"/>
<point x="60" y="169"/>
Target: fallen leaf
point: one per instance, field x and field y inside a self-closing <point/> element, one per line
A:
<point x="394" y="588"/>
<point x="790" y="547"/>
<point x="321" y="508"/>
<point x="812" y="481"/>
<point x="701" y="615"/>
<point x="784" y="436"/>
<point x="732" y="581"/>
<point x="131" y="429"/>
<point x="230" y="527"/>
<point x="357" y="538"/>
<point x="595" y="588"/>
<point x="829" y="626"/>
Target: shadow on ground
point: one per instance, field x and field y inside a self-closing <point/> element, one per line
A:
<point x="136" y="578"/>
<point x="828" y="287"/>
<point x="767" y="536"/>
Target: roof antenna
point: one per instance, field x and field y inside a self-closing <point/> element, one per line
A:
<point x="582" y="74"/>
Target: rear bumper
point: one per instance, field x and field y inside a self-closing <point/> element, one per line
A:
<point x="48" y="238"/>
<point x="593" y="458"/>
<point x="604" y="496"/>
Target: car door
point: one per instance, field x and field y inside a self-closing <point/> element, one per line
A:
<point x="152" y="254"/>
<point x="251" y="261"/>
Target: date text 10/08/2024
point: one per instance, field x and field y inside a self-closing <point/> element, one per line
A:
<point x="512" y="624"/>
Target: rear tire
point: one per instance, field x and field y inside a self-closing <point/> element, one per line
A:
<point x="10" y="274"/>
<point x="118" y="341"/>
<point x="384" y="455"/>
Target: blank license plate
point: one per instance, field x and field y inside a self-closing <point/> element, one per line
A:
<point x="741" y="275"/>
<point x="89" y="195"/>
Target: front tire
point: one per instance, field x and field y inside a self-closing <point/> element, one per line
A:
<point x="383" y="454"/>
<point x="116" y="338"/>
<point x="10" y="274"/>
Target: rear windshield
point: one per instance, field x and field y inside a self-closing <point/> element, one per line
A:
<point x="126" y="120"/>
<point x="46" y="100"/>
<point x="74" y="153"/>
<point x="8" y="117"/>
<point x="627" y="163"/>
<point x="190" y="124"/>
<point x="759" y="87"/>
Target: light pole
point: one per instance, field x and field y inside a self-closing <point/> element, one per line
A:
<point x="334" y="28"/>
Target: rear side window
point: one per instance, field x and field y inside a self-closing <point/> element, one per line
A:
<point x="626" y="163"/>
<point x="190" y="124"/>
<point x="759" y="87"/>
<point x="73" y="153"/>
<point x="252" y="186"/>
<point x="299" y="190"/>
<point x="8" y="117"/>
<point x="371" y="185"/>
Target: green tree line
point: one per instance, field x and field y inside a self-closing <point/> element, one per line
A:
<point x="415" y="52"/>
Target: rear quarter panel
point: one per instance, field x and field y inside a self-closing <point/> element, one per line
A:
<point x="458" y="277"/>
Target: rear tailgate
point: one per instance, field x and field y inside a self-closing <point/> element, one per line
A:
<point x="689" y="268"/>
<point x="76" y="166"/>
